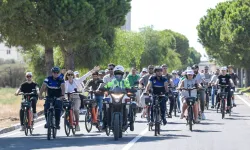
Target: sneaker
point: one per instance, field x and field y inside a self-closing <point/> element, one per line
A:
<point x="45" y="126"/>
<point x="227" y="111"/>
<point x="22" y="128"/>
<point x="182" y="116"/>
<point x="169" y="115"/>
<point x="151" y="123"/>
<point x="81" y="111"/>
<point x="58" y="127"/>
<point x="101" y="124"/>
<point x="203" y="116"/>
<point x="234" y="105"/>
<point x="164" y="121"/>
<point x="212" y="106"/>
<point x="196" y="121"/>
<point x="35" y="116"/>
<point x="77" y="128"/>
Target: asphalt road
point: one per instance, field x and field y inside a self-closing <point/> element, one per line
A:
<point x="214" y="133"/>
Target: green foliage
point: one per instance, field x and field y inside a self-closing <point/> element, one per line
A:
<point x="35" y="58"/>
<point x="194" y="57"/>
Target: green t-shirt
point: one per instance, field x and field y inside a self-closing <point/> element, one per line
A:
<point x="132" y="79"/>
<point x="114" y="83"/>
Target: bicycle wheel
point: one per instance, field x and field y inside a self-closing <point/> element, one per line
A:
<point x="159" y="123"/>
<point x="156" y="121"/>
<point x="223" y="108"/>
<point x="88" y="121"/>
<point x="25" y="123"/>
<point x="190" y="118"/>
<point x="207" y="101"/>
<point x="117" y="129"/>
<point x="49" y="121"/>
<point x="54" y="130"/>
<point x="32" y="122"/>
<point x="66" y="123"/>
<point x="175" y="107"/>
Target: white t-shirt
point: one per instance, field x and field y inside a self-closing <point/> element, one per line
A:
<point x="107" y="78"/>
<point x="189" y="84"/>
<point x="198" y="78"/>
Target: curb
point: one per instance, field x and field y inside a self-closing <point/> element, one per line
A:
<point x="17" y="126"/>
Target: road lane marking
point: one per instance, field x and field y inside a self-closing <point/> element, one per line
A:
<point x="131" y="143"/>
<point x="242" y="99"/>
<point x="18" y="132"/>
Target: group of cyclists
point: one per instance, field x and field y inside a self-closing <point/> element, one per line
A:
<point x="153" y="80"/>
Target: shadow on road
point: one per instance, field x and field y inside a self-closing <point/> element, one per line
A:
<point x="207" y="123"/>
<point x="205" y="131"/>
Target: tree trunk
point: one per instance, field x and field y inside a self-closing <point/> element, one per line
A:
<point x="247" y="81"/>
<point x="239" y="75"/>
<point x="69" y="62"/>
<point x="49" y="59"/>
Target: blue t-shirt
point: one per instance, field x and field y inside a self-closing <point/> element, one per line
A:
<point x="61" y="76"/>
<point x="54" y="86"/>
<point x="176" y="81"/>
<point x="158" y="85"/>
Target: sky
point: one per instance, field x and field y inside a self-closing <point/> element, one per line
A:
<point x="178" y="15"/>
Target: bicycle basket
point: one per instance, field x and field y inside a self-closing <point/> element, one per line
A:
<point x="25" y="104"/>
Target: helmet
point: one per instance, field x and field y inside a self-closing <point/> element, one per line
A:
<point x="119" y="69"/>
<point x="55" y="69"/>
<point x="230" y="66"/>
<point x="195" y="66"/>
<point x="157" y="69"/>
<point x="206" y="67"/>
<point x="28" y="74"/>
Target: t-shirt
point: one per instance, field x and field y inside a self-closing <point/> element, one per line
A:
<point x="107" y="78"/>
<point x="94" y="84"/>
<point x="145" y="79"/>
<point x="234" y="77"/>
<point x="198" y="78"/>
<point x="158" y="85"/>
<point x="224" y="80"/>
<point x="132" y="79"/>
<point x="207" y="77"/>
<point x="54" y="86"/>
<point x="27" y="87"/>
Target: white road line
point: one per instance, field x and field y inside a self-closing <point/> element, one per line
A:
<point x="36" y="126"/>
<point x="131" y="143"/>
<point x="242" y="99"/>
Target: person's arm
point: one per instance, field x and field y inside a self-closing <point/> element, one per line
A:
<point x="63" y="89"/>
<point x="127" y="84"/>
<point x="43" y="89"/>
<point x="181" y="85"/>
<point x="216" y="82"/>
<point x="171" y="83"/>
<point x="148" y="87"/>
<point x="19" y="90"/>
<point x="88" y="84"/>
<point x="231" y="82"/>
<point x="84" y="77"/>
<point x="166" y="86"/>
<point x="37" y="89"/>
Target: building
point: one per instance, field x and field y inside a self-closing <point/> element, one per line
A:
<point x="10" y="53"/>
<point x="127" y="25"/>
<point x="205" y="62"/>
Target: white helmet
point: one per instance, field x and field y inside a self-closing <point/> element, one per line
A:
<point x="119" y="69"/>
<point x="223" y="68"/>
<point x="190" y="72"/>
<point x="174" y="72"/>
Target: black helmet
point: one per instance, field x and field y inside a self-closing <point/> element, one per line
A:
<point x="157" y="69"/>
<point x="195" y="66"/>
<point x="55" y="69"/>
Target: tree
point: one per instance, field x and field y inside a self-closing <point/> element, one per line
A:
<point x="194" y="57"/>
<point x="224" y="32"/>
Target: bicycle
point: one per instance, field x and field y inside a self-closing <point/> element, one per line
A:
<point x="175" y="96"/>
<point x="157" y="113"/>
<point x="51" y="120"/>
<point x="208" y="95"/>
<point x="223" y="100"/>
<point x="91" y="116"/>
<point x="28" y="121"/>
<point x="69" y="118"/>
<point x="148" y="103"/>
<point x="190" y="102"/>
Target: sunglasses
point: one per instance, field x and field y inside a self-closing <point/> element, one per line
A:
<point x="70" y="75"/>
<point x="111" y="69"/>
<point x="159" y="71"/>
<point x="56" y="72"/>
<point x="28" y="76"/>
<point x="144" y="71"/>
<point x="189" y="74"/>
<point x="151" y="68"/>
<point x="164" y="68"/>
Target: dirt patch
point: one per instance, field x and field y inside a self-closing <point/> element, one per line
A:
<point x="9" y="114"/>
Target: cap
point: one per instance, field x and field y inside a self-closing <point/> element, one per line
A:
<point x="174" y="72"/>
<point x="223" y="68"/>
<point x="76" y="73"/>
<point x="106" y="70"/>
<point x="190" y="72"/>
<point x="28" y="74"/>
<point x="144" y="70"/>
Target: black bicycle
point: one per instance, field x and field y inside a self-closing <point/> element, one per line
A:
<point x="174" y="94"/>
<point x="190" y="102"/>
<point x="51" y="120"/>
<point x="157" y="113"/>
<point x="223" y="100"/>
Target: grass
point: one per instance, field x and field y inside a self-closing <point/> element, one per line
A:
<point x="245" y="90"/>
<point x="10" y="106"/>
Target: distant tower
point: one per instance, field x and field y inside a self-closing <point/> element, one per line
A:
<point x="127" y="25"/>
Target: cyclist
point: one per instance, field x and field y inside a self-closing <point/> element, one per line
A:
<point x="235" y="78"/>
<point x="27" y="87"/>
<point x="189" y="82"/>
<point x="214" y="88"/>
<point x="176" y="81"/>
<point x="200" y="80"/>
<point x="159" y="85"/>
<point x="110" y="76"/>
<point x="133" y="77"/>
<point x="101" y="74"/>
<point x="144" y="72"/>
<point x="168" y="77"/>
<point x="207" y="79"/>
<point x="55" y="88"/>
<point x="63" y="71"/>
<point x="225" y="79"/>
<point x="94" y="84"/>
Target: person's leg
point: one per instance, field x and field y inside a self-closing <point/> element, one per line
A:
<point x="76" y="106"/>
<point x="163" y="110"/>
<point x="171" y="106"/>
<point x="58" y="109"/>
<point x="202" y="103"/>
<point x="99" y="100"/>
<point x="46" y="107"/>
<point x="212" y="94"/>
